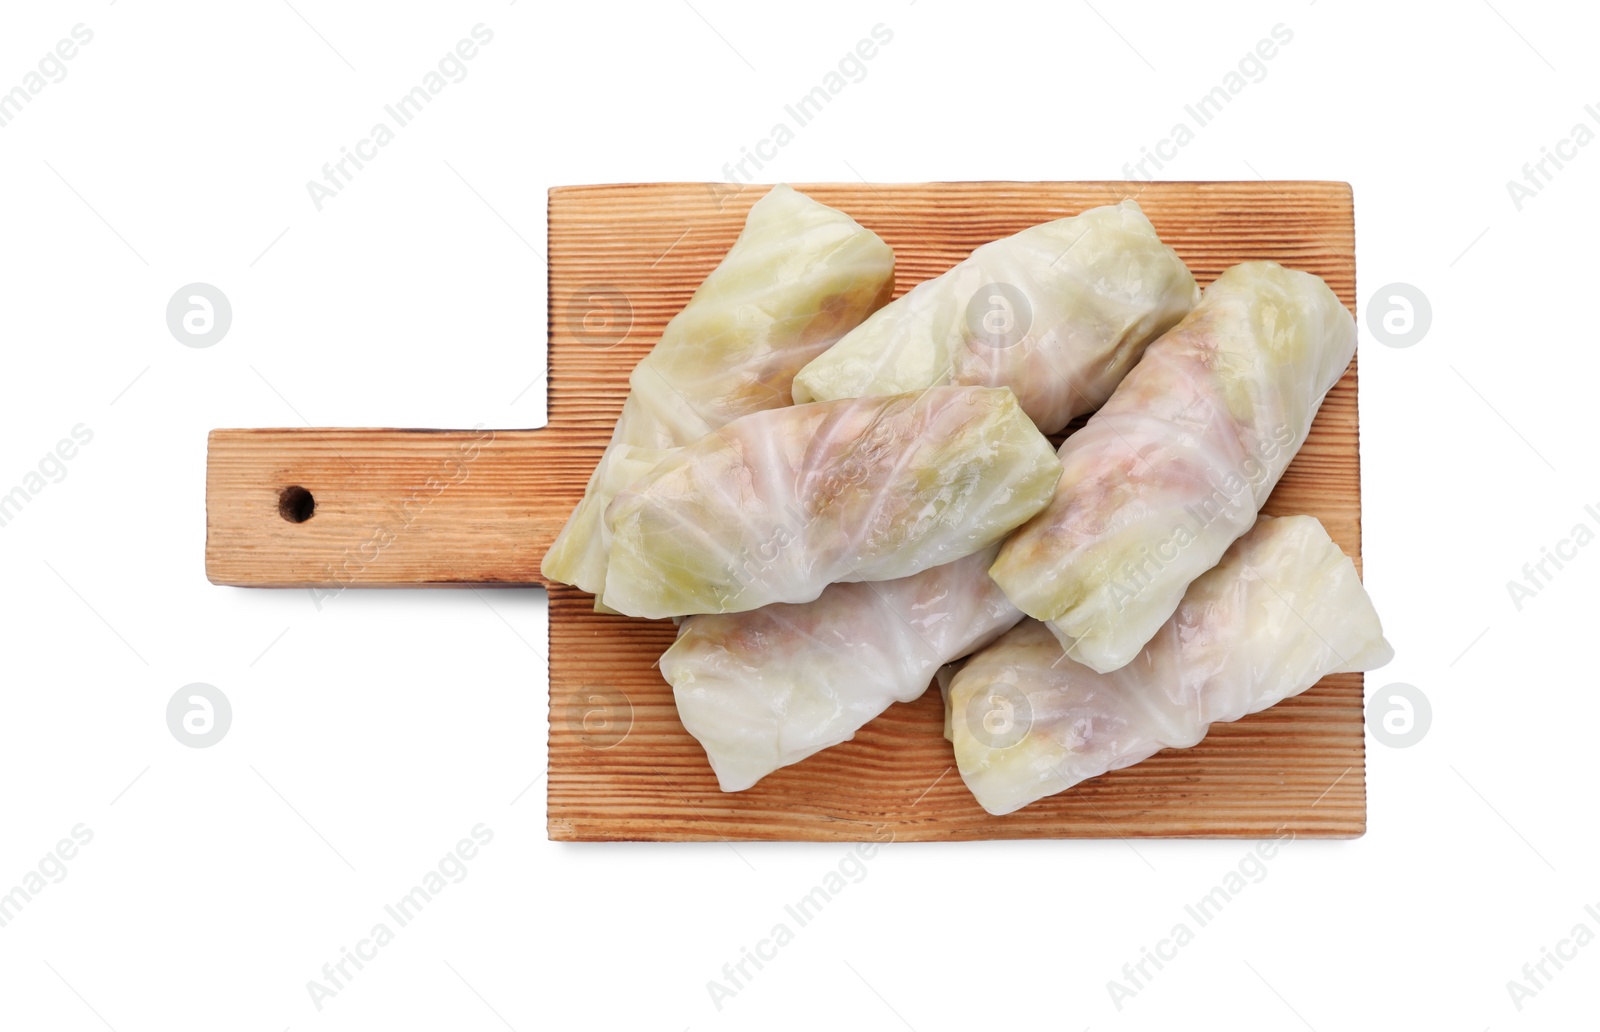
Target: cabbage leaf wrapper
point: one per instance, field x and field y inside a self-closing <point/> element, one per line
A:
<point x="1178" y="463"/>
<point x="799" y="277"/>
<point x="779" y="504"/>
<point x="1282" y="610"/>
<point x="1058" y="312"/>
<point x="770" y="687"/>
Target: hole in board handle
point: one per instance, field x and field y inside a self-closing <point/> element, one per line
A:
<point x="295" y="504"/>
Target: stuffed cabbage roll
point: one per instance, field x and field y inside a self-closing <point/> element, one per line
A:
<point x="1179" y="461"/>
<point x="799" y="277"/>
<point x="1283" y="609"/>
<point x="767" y="688"/>
<point x="777" y="505"/>
<point x="1058" y="313"/>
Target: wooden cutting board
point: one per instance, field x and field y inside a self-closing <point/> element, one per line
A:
<point x="408" y="507"/>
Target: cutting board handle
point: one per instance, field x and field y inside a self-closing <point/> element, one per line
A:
<point x="334" y="508"/>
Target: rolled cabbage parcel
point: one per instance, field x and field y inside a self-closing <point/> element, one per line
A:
<point x="767" y="688"/>
<point x="779" y="504"/>
<point x="1179" y="462"/>
<point x="1282" y="610"/>
<point x="799" y="277"/>
<point x="1058" y="312"/>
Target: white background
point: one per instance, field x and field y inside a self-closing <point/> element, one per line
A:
<point x="370" y="736"/>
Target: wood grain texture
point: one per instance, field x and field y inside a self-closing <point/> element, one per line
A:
<point x="392" y="507"/>
<point x="623" y="260"/>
